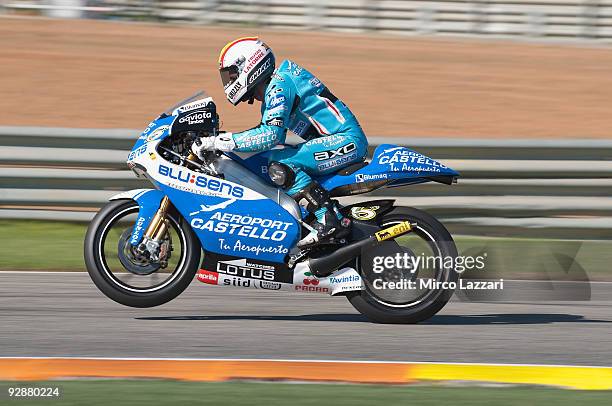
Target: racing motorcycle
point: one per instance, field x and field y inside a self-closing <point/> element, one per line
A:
<point x="145" y="246"/>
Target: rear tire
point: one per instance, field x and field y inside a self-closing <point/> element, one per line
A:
<point x="97" y="268"/>
<point x="366" y="302"/>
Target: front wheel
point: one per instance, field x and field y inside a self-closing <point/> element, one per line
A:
<point x="410" y="279"/>
<point x="130" y="279"/>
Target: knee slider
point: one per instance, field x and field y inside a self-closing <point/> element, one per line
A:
<point x="281" y="175"/>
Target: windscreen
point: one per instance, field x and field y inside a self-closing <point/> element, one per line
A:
<point x="202" y="94"/>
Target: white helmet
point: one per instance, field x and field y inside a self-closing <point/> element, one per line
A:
<point x="244" y="64"/>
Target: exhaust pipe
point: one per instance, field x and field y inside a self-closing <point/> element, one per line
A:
<point x="326" y="265"/>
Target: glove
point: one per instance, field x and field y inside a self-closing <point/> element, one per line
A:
<point x="223" y="142"/>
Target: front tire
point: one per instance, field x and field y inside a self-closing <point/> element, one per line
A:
<point x="123" y="293"/>
<point x="370" y="304"/>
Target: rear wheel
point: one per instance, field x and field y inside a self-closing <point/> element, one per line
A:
<point x="420" y="278"/>
<point x="128" y="278"/>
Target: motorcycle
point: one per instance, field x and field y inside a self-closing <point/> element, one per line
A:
<point x="144" y="247"/>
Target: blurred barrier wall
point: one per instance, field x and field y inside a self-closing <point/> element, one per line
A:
<point x="544" y="188"/>
<point x="563" y="19"/>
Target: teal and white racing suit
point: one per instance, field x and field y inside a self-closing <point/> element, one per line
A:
<point x="297" y="101"/>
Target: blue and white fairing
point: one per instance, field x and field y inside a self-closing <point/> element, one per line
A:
<point x="238" y="215"/>
<point x="395" y="164"/>
<point x="157" y="130"/>
<point x="229" y="218"/>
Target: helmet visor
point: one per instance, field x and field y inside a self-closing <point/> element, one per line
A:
<point x="228" y="75"/>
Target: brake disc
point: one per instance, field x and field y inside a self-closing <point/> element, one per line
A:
<point x="131" y="260"/>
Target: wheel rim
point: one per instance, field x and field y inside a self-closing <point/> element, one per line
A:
<point x="116" y="273"/>
<point x="405" y="298"/>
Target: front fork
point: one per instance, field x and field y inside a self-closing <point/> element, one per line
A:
<point x="154" y="234"/>
<point x="159" y="225"/>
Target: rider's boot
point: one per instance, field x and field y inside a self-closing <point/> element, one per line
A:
<point x="329" y="225"/>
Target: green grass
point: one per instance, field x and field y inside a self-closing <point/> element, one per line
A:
<point x="151" y="393"/>
<point x="45" y="245"/>
<point x="545" y="259"/>
<point x="41" y="245"/>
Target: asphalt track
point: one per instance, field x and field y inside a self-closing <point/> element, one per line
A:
<point x="63" y="314"/>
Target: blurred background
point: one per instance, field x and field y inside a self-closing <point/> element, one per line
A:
<point x="514" y="94"/>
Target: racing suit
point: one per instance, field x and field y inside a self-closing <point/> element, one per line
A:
<point x="296" y="100"/>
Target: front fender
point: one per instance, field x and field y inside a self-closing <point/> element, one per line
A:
<point x="148" y="202"/>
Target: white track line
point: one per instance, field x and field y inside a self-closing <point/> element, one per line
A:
<point x="306" y="360"/>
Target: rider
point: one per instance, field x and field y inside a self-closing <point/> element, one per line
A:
<point x="292" y="99"/>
